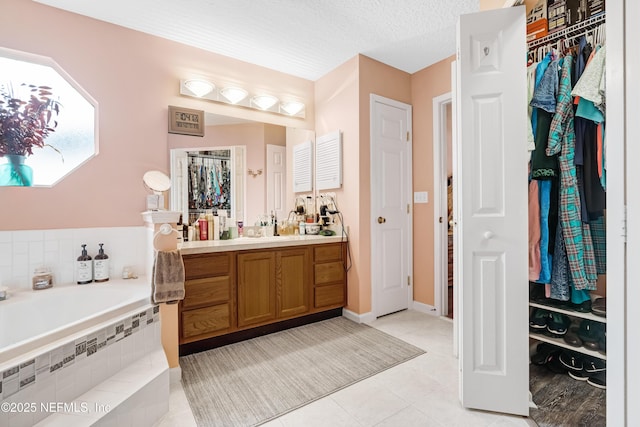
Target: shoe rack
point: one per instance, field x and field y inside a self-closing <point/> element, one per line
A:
<point x="575" y="317"/>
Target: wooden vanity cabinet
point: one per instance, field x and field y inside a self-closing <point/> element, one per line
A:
<point x="256" y="287"/>
<point x="329" y="275"/>
<point x="209" y="303"/>
<point x="235" y="291"/>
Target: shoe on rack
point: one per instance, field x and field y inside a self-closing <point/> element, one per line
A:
<point x="593" y="364"/>
<point x="558" y="324"/>
<point x="599" y="379"/>
<point x="590" y="331"/>
<point x="572" y="338"/>
<point x="544" y="352"/>
<point x="579" y="375"/>
<point x="554" y="364"/>
<point x="584" y="307"/>
<point x="571" y="361"/>
<point x="538" y="320"/>
<point x="599" y="307"/>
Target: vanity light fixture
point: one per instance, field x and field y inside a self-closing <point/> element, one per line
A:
<point x="292" y="107"/>
<point x="264" y="102"/>
<point x="199" y="87"/>
<point x="233" y="94"/>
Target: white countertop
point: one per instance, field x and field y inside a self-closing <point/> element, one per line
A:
<point x="247" y="243"/>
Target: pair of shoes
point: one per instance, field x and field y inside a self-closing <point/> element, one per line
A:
<point x="538" y="320"/>
<point x="581" y="367"/>
<point x="558" y="324"/>
<point x="536" y="292"/>
<point x="599" y="307"/>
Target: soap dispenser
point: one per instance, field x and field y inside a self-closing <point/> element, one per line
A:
<point x="84" y="268"/>
<point x="101" y="266"/>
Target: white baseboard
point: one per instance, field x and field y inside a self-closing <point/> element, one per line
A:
<point x="358" y="318"/>
<point x="175" y="375"/>
<point x="425" y="308"/>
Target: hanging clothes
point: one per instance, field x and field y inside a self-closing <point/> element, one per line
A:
<point x="544" y="166"/>
<point x="534" y="232"/>
<point x="577" y="236"/>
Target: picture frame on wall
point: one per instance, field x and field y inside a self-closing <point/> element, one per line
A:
<point x="186" y="121"/>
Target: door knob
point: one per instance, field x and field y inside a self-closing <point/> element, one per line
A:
<point x="381" y="220"/>
<point x="488" y="234"/>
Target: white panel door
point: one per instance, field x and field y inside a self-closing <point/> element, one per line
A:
<point x="492" y="226"/>
<point x="390" y="198"/>
<point x="277" y="180"/>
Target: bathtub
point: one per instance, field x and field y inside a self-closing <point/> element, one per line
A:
<point x="38" y="318"/>
<point x="99" y="343"/>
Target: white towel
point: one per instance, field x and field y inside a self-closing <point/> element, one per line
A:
<point x="167" y="278"/>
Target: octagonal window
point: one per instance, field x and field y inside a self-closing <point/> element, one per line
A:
<point x="48" y="123"/>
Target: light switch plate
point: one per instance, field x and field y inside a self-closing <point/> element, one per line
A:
<point x="420" y="197"/>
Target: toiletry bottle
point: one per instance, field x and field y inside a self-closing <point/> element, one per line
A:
<point x="302" y="228"/>
<point x="101" y="266"/>
<point x="84" y="268"/>
<point x="275" y="224"/>
<point x="204" y="227"/>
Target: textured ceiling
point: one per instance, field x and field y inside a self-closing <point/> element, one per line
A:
<point x="304" y="38"/>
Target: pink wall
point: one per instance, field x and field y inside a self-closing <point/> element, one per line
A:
<point x="337" y="108"/>
<point x="342" y="102"/>
<point x="426" y="84"/>
<point x="134" y="77"/>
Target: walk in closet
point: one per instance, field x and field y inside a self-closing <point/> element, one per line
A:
<point x="567" y="217"/>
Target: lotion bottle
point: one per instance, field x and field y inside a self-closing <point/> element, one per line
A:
<point x="101" y="266"/>
<point x="84" y="268"/>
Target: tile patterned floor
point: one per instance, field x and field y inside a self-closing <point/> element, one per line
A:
<point x="420" y="392"/>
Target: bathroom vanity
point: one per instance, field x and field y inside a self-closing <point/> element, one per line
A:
<point x="242" y="288"/>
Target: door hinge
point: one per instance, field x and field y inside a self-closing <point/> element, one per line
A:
<point x="408" y="136"/>
<point x="408" y="280"/>
<point x="408" y="208"/>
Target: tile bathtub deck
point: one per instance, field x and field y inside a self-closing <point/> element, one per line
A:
<point x="420" y="392"/>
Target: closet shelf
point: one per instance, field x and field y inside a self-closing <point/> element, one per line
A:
<point x="570" y="32"/>
<point x="588" y="316"/>
<point x="560" y="343"/>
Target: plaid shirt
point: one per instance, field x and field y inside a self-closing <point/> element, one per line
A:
<point x="577" y="235"/>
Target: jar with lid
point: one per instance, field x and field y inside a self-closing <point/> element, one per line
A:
<point x="42" y="279"/>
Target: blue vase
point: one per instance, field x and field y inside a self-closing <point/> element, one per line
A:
<point x="15" y="173"/>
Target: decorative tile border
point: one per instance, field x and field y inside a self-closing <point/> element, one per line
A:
<point x="28" y="373"/>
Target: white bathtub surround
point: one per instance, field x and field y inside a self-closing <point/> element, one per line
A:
<point x="22" y="251"/>
<point x="106" y="368"/>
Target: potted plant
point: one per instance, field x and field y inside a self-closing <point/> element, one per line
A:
<point x="25" y="124"/>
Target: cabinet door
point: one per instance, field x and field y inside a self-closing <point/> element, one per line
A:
<point x="256" y="288"/>
<point x="293" y="281"/>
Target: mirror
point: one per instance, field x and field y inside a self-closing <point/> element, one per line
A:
<point x="257" y="166"/>
<point x="156" y="181"/>
<point x="48" y="123"/>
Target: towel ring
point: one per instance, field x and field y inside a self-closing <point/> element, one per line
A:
<point x="166" y="238"/>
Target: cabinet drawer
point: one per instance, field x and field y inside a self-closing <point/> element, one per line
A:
<point x="206" y="291"/>
<point x="327" y="252"/>
<point x="329" y="295"/>
<point x="207" y="265"/>
<point x="328" y="272"/>
<point x="205" y="320"/>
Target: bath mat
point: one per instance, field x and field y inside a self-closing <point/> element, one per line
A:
<point x="251" y="382"/>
